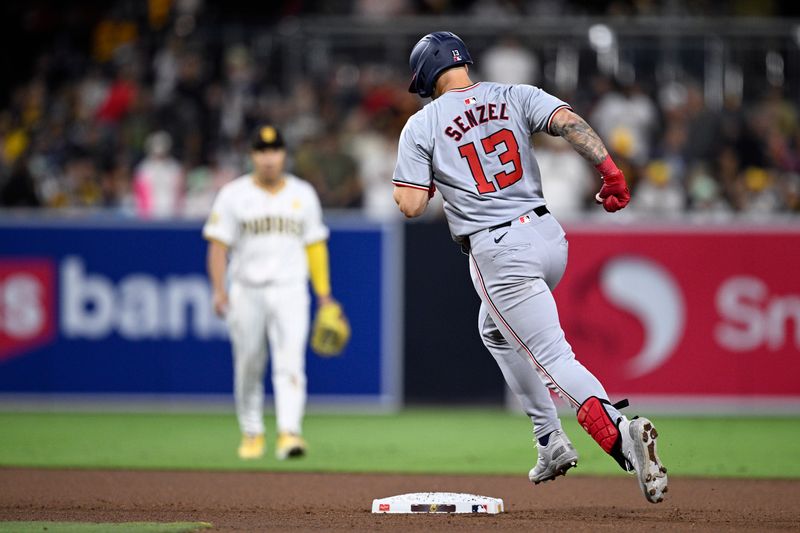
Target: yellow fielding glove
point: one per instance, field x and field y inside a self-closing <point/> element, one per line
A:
<point x="330" y="331"/>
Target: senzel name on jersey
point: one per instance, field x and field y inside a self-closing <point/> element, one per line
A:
<point x="480" y="115"/>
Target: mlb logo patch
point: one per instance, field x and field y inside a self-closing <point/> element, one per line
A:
<point x="524" y="219"/>
<point x="471" y="100"/>
<point x="456" y="55"/>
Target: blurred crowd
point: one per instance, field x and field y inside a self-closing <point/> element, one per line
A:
<point x="150" y="120"/>
<point x="680" y="157"/>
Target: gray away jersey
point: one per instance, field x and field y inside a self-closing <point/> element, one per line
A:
<point x="475" y="145"/>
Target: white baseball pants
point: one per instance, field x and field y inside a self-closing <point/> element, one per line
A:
<point x="278" y="315"/>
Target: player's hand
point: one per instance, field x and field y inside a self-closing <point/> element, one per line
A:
<point x="614" y="194"/>
<point x="220" y="303"/>
<point x="330" y="331"/>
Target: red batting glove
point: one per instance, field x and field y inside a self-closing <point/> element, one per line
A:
<point x="614" y="194"/>
<point x="431" y="190"/>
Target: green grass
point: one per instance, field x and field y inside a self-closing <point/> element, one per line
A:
<point x="465" y="441"/>
<point x="85" y="527"/>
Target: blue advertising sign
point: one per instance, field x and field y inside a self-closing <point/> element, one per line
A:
<point x="123" y="307"/>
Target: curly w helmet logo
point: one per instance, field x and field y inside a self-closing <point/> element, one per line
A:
<point x="27" y="305"/>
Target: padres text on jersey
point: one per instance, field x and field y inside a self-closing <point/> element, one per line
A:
<point x="267" y="232"/>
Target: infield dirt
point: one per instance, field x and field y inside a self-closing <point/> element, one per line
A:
<point x="308" y="502"/>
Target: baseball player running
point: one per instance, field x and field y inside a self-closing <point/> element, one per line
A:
<point x="472" y="143"/>
<point x="271" y="224"/>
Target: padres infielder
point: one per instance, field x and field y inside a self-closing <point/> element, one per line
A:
<point x="473" y="143"/>
<point x="271" y="223"/>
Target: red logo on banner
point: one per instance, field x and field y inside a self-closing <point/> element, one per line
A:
<point x="383" y="507"/>
<point x="27" y="305"/>
<point x="685" y="313"/>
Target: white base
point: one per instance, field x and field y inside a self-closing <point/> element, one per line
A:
<point x="438" y="502"/>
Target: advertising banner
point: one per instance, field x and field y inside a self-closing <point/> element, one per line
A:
<point x="120" y="307"/>
<point x="686" y="312"/>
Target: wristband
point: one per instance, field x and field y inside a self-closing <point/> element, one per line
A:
<point x="607" y="166"/>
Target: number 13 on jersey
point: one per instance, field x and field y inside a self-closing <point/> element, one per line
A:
<point x="509" y="156"/>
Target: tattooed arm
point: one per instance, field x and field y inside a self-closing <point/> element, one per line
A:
<point x="614" y="194"/>
<point x="579" y="134"/>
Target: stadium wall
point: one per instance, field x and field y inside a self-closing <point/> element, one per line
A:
<point x="678" y="317"/>
<point x="684" y="317"/>
<point x="110" y="309"/>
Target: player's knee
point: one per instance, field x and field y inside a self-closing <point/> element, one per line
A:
<point x="284" y="373"/>
<point x="493" y="338"/>
<point x="488" y="331"/>
<point x="553" y="348"/>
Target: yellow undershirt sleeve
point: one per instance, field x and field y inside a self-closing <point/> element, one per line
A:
<point x="318" y="268"/>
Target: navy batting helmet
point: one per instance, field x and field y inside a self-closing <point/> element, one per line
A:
<point x="432" y="55"/>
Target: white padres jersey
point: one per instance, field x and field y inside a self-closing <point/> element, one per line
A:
<point x="475" y="145"/>
<point x="267" y="233"/>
